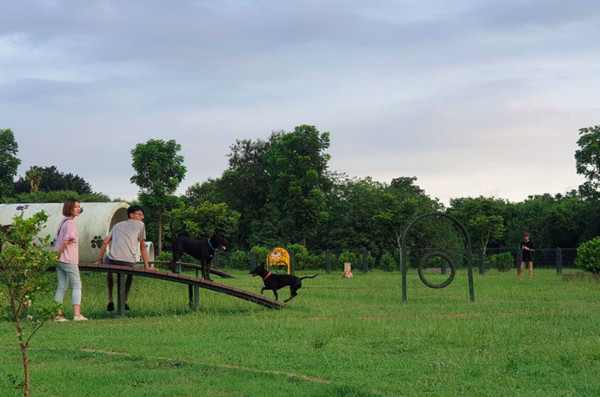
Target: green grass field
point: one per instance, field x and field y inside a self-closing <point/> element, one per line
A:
<point x="339" y="337"/>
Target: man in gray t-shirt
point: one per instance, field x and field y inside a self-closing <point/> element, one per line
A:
<point x="125" y="239"/>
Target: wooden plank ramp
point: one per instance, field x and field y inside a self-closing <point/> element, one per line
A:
<point x="193" y="266"/>
<point x="193" y="284"/>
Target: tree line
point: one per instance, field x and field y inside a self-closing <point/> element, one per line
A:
<point x="280" y="191"/>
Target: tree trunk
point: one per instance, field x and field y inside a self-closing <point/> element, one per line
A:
<point x="160" y="225"/>
<point x="25" y="390"/>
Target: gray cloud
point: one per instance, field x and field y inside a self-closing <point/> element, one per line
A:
<point x="450" y="92"/>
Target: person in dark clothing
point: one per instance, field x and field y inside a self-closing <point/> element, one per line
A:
<point x="527" y="250"/>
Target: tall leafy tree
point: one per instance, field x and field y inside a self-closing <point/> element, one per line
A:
<point x="351" y="206"/>
<point x="482" y="217"/>
<point x="553" y="221"/>
<point x="34" y="177"/>
<point x="297" y="165"/>
<point x="202" y="220"/>
<point x="587" y="161"/>
<point x="159" y="171"/>
<point x="402" y="201"/>
<point x="50" y="179"/>
<point x="8" y="162"/>
<point x="201" y="192"/>
<point x="244" y="186"/>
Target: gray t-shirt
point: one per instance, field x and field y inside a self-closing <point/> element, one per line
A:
<point x="125" y="240"/>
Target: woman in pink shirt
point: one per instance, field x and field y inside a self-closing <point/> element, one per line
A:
<point x="67" y="270"/>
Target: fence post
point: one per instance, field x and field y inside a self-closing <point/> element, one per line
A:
<point x="481" y="264"/>
<point x="365" y="260"/>
<point x="292" y="263"/>
<point x="328" y="261"/>
<point x="252" y="260"/>
<point x="216" y="260"/>
<point x="558" y="261"/>
<point x="443" y="264"/>
<point x="518" y="259"/>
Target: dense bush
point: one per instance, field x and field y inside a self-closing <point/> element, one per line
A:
<point x="260" y="254"/>
<point x="588" y="256"/>
<point x="502" y="262"/>
<point x="239" y="260"/>
<point x="168" y="256"/>
<point x="348" y="256"/>
<point x="164" y="256"/>
<point x="388" y="263"/>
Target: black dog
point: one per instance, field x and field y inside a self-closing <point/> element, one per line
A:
<point x="203" y="250"/>
<point x="278" y="281"/>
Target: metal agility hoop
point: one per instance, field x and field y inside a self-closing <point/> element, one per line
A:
<point x="436" y="254"/>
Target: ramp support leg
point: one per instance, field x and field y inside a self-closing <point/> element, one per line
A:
<point x="121" y="294"/>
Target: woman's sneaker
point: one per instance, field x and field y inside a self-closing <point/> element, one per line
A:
<point x="80" y="318"/>
<point x="60" y="319"/>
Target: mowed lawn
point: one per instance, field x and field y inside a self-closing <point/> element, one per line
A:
<point x="339" y="337"/>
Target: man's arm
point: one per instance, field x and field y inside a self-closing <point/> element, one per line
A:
<point x="103" y="248"/>
<point x="145" y="256"/>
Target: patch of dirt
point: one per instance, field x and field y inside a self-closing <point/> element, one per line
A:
<point x="412" y="316"/>
<point x="228" y="366"/>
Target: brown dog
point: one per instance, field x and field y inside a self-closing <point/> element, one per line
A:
<point x="347" y="273"/>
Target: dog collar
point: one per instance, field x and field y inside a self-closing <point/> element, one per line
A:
<point x="267" y="276"/>
<point x="210" y="245"/>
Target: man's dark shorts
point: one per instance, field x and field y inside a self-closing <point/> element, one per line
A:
<point x="108" y="261"/>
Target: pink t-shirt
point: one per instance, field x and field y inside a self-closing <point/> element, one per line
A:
<point x="68" y="231"/>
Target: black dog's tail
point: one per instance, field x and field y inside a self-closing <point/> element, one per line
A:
<point x="171" y="227"/>
<point x="302" y="278"/>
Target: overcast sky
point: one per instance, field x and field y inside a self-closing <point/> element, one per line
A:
<point x="472" y="97"/>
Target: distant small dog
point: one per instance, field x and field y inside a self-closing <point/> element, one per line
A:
<point x="275" y="282"/>
<point x="347" y="273"/>
<point x="203" y="250"/>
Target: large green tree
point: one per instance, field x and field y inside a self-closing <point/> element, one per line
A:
<point x="483" y="217"/>
<point x="587" y="161"/>
<point x="159" y="171"/>
<point x="401" y="202"/>
<point x="553" y="221"/>
<point x="244" y="186"/>
<point x="34" y="177"/>
<point x="202" y="220"/>
<point x="278" y="186"/>
<point x="351" y="207"/>
<point x="50" y="179"/>
<point x="297" y="167"/>
<point x="8" y="162"/>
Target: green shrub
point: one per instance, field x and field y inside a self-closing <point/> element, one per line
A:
<point x="310" y="261"/>
<point x="502" y="262"/>
<point x="239" y="260"/>
<point x="588" y="256"/>
<point x="167" y="256"/>
<point x="388" y="263"/>
<point x="260" y="253"/>
<point x="349" y="256"/>
<point x="164" y="256"/>
<point x="295" y="249"/>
